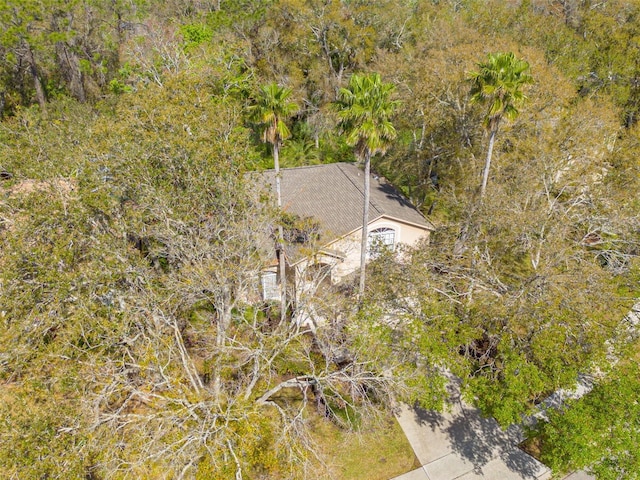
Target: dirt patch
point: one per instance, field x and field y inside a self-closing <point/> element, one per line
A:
<point x="62" y="186"/>
<point x="532" y="446"/>
<point x="61" y="189"/>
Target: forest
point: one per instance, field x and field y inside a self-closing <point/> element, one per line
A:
<point x="131" y="234"/>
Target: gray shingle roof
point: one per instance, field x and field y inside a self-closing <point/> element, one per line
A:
<point x="333" y="195"/>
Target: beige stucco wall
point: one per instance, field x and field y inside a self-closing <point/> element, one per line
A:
<point x="350" y="246"/>
<point x="303" y="281"/>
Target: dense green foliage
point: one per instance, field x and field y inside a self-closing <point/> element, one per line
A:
<point x="600" y="431"/>
<point x="132" y="341"/>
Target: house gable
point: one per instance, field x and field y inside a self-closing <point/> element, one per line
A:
<point x="405" y="233"/>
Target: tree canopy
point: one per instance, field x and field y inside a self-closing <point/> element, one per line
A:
<point x="498" y="83"/>
<point x="271" y="109"/>
<point x="365" y="109"/>
<point x="134" y="341"/>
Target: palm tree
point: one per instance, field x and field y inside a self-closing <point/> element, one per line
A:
<point x="271" y="109"/>
<point x="498" y="83"/>
<point x="364" y="110"/>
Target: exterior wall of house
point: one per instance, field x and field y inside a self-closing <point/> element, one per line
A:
<point x="350" y="245"/>
<point x="311" y="272"/>
<point x="302" y="278"/>
<point x="307" y="274"/>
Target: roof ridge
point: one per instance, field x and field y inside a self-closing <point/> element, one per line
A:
<point x="371" y="203"/>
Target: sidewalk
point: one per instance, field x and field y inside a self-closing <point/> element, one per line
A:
<point x="461" y="444"/>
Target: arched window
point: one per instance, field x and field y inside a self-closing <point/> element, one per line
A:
<point x="381" y="238"/>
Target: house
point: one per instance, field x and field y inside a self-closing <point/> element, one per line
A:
<point x="325" y="205"/>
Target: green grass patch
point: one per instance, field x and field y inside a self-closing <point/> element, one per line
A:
<point x="377" y="452"/>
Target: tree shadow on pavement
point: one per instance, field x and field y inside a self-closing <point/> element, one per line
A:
<point x="431" y="418"/>
<point x="479" y="440"/>
<point x="436" y="419"/>
<point x="521" y="462"/>
<point x="475" y="438"/>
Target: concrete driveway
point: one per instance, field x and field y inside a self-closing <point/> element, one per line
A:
<point x="462" y="444"/>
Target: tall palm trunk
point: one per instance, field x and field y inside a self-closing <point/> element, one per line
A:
<point x="365" y="221"/>
<point x="487" y="163"/>
<point x="280" y="247"/>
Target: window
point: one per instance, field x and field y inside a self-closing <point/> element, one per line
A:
<point x="381" y="238"/>
<point x="270" y="290"/>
